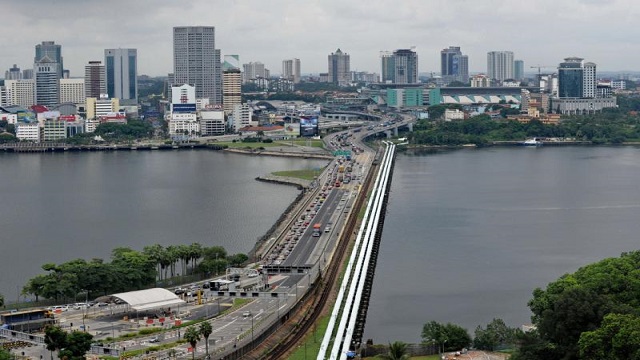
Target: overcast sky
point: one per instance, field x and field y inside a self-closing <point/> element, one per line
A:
<point x="537" y="31"/>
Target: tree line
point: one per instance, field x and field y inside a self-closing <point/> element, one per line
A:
<point x="128" y="270"/>
<point x="591" y="314"/>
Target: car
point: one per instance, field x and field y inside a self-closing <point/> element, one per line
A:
<point x="246" y="314"/>
<point x="154" y="340"/>
<point x="102" y="304"/>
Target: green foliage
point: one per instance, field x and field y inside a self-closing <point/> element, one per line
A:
<point x="617" y="338"/>
<point x="496" y="334"/>
<point x="192" y="335"/>
<point x="397" y="351"/>
<point x="5" y="354"/>
<point x="128" y="270"/>
<point x="267" y="141"/>
<point x="449" y="336"/>
<point x="579" y="313"/>
<point x="1" y="300"/>
<point x="205" y="329"/>
<point x="149" y="331"/>
<point x="7" y="138"/>
<point x="78" y="343"/>
<point x="133" y="129"/>
<point x="237" y="259"/>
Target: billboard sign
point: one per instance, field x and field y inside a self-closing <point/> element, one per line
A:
<point x="183" y="108"/>
<point x="292" y="129"/>
<point x="308" y="126"/>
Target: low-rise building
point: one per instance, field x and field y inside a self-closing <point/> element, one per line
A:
<point x="184" y="124"/>
<point x="54" y="129"/>
<point x="28" y="132"/>
<point x="453" y="114"/>
<point x="212" y="122"/>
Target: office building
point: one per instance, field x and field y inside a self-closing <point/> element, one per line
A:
<point x="27" y="74"/>
<point x="231" y="89"/>
<point x="500" y="65"/>
<point x="95" y="79"/>
<point x="518" y="70"/>
<point x="196" y="61"/>
<point x="454" y="66"/>
<point x="339" y="68"/>
<point x="405" y="66"/>
<point x="388" y="67"/>
<point x="13" y="73"/>
<point x="121" y="67"/>
<point x="47" y="82"/>
<point x="53" y="52"/>
<point x="570" y="78"/>
<point x="589" y="82"/>
<point x="241" y="116"/>
<point x="212" y="122"/>
<point x="291" y="70"/>
<point x="72" y="91"/>
<point x="101" y="107"/>
<point x="254" y="71"/>
<point x="19" y="92"/>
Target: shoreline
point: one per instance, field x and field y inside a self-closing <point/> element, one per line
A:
<point x="516" y="144"/>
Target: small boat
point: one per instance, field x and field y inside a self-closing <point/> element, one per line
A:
<point x="532" y="142"/>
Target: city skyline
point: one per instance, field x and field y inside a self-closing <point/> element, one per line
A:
<point x="361" y="29"/>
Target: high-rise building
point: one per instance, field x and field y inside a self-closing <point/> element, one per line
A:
<point x="406" y="66"/>
<point x="253" y="71"/>
<point x="19" y="92"/>
<point x="570" y="78"/>
<point x="232" y="89"/>
<point x="589" y="82"/>
<point x="518" y="70"/>
<point x="291" y="70"/>
<point x="72" y="91"/>
<point x="197" y="62"/>
<point x="453" y="65"/>
<point x="95" y="80"/>
<point x="53" y="52"/>
<point x="47" y="82"/>
<point x="27" y="74"/>
<point x="121" y="67"/>
<point x="13" y="73"/>
<point x="388" y="67"/>
<point x="500" y="65"/>
<point x="339" y="68"/>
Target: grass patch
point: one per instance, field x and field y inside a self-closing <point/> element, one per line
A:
<point x="430" y="357"/>
<point x="303" y="142"/>
<point x="312" y="341"/>
<point x="307" y="174"/>
<point x="247" y="145"/>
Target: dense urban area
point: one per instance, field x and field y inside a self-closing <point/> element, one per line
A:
<point x="199" y="301"/>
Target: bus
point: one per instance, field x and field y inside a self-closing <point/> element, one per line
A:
<point x="316" y="230"/>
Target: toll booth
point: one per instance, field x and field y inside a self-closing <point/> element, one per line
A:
<point x="27" y="320"/>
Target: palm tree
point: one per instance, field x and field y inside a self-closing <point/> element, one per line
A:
<point x="1" y="300"/>
<point x="192" y="336"/>
<point x="173" y="255"/>
<point x="397" y="351"/>
<point x="206" y="330"/>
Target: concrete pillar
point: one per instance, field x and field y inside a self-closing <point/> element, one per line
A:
<point x="395" y="131"/>
<point x="410" y="125"/>
<point x="388" y="133"/>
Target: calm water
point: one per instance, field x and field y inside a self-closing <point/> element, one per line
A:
<point x="62" y="206"/>
<point x="469" y="234"/>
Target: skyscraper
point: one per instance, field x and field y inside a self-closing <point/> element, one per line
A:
<point x="121" y="66"/>
<point x="339" y="68"/>
<point x="231" y="84"/>
<point x="406" y="66"/>
<point x="388" y="67"/>
<point x="570" y="78"/>
<point x="500" y="65"/>
<point x="52" y="51"/>
<point x="95" y="82"/>
<point x="13" y="73"/>
<point x="47" y="82"/>
<point x="461" y="67"/>
<point x="518" y="70"/>
<point x="589" y="80"/>
<point x="449" y="63"/>
<point x="254" y="70"/>
<point x="197" y="62"/>
<point x="291" y="70"/>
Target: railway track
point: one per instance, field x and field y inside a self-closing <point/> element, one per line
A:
<point x="311" y="311"/>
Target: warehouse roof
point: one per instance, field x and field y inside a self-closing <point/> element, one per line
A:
<point x="150" y="299"/>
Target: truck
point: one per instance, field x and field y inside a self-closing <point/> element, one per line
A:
<point x="316" y="230"/>
<point x="341" y="168"/>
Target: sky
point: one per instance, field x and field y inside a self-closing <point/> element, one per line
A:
<point x="540" y="32"/>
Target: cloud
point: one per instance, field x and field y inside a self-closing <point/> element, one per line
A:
<point x="544" y="31"/>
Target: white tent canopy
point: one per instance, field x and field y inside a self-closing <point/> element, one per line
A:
<point x="150" y="299"/>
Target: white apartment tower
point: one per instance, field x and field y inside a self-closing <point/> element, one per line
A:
<point x="291" y="70"/>
<point x="500" y="65"/>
